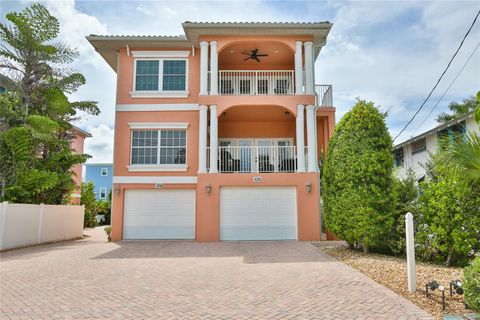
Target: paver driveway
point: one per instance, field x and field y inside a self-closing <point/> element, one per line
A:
<point x="187" y="280"/>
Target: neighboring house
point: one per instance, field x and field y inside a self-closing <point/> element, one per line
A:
<point x="415" y="152"/>
<point x="77" y="144"/>
<point x="218" y="133"/>
<point x="101" y="175"/>
<point x="6" y="84"/>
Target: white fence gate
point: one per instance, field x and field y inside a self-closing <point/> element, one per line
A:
<point x="29" y="224"/>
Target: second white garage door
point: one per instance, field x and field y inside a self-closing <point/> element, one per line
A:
<point x="159" y="214"/>
<point x="258" y="213"/>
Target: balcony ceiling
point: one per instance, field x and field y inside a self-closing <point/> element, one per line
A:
<point x="256" y="114"/>
<point x="279" y="55"/>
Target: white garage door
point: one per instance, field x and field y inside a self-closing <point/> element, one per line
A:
<point x="159" y="214"/>
<point x="258" y="213"/>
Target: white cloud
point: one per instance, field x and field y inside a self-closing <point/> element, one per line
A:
<point x="100" y="146"/>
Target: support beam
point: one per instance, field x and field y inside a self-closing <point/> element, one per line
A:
<point x="311" y="139"/>
<point x="300" y="138"/>
<point x="213" y="68"/>
<point x="202" y="140"/>
<point x="309" y="89"/>
<point x="213" y="140"/>
<point x="203" y="68"/>
<point x="298" y="68"/>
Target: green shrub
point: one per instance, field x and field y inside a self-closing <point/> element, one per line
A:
<point x="471" y="285"/>
<point x="108" y="231"/>
<point x="357" y="178"/>
<point x="450" y="208"/>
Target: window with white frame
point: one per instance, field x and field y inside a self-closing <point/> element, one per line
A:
<point x="159" y="147"/>
<point x="103" y="193"/>
<point x="419" y="145"/>
<point x="104" y="172"/>
<point x="161" y="75"/>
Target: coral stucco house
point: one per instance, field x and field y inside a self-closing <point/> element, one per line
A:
<point x="218" y="133"/>
<point x="77" y="144"/>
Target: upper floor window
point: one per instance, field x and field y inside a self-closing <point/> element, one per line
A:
<point x="398" y="157"/>
<point x="158" y="147"/>
<point x="104" y="172"/>
<point x="419" y="145"/>
<point x="174" y="75"/>
<point x="146" y="77"/>
<point x="160" y="73"/>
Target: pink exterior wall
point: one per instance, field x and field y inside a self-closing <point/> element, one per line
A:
<point x="208" y="210"/>
<point x="77" y="144"/>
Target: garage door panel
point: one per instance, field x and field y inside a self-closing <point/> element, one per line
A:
<point x="258" y="213"/>
<point x="159" y="214"/>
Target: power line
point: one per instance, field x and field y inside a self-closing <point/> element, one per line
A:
<point x="441" y="76"/>
<point x="445" y="92"/>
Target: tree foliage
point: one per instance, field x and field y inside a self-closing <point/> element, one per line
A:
<point x="405" y="196"/>
<point x="450" y="207"/>
<point x="35" y="131"/>
<point x="457" y="110"/>
<point x="93" y="207"/>
<point x="357" y="178"/>
<point x="471" y="284"/>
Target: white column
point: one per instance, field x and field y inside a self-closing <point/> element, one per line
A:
<point x="298" y="68"/>
<point x="213" y="68"/>
<point x="213" y="139"/>
<point x="300" y="138"/>
<point x="308" y="67"/>
<point x="202" y="140"/>
<point x="411" y="270"/>
<point x="203" y="68"/>
<point x="311" y="139"/>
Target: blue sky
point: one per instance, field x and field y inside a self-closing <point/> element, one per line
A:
<point x="389" y="52"/>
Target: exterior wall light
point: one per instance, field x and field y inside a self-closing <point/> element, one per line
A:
<point x="208" y="188"/>
<point x="116" y="189"/>
<point x="309" y="187"/>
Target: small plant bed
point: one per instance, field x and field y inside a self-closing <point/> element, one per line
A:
<point x="391" y="272"/>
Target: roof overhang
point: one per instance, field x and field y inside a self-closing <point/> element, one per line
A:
<point x="81" y="132"/>
<point x="436" y="129"/>
<point x="318" y="30"/>
<point x="108" y="46"/>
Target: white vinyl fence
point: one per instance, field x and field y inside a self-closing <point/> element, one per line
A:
<point x="29" y="224"/>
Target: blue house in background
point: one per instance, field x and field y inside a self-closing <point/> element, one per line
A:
<point x="101" y="174"/>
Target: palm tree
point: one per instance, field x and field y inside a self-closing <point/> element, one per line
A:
<point x="464" y="154"/>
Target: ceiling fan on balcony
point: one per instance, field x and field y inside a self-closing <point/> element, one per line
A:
<point x="253" y="55"/>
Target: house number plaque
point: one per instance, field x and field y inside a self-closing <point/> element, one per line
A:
<point x="257" y="179"/>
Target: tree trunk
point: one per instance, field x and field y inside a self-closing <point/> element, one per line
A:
<point x="365" y="248"/>
<point x="449" y="256"/>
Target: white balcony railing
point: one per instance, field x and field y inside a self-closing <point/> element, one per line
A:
<point x="257" y="159"/>
<point x="323" y="95"/>
<point x="256" y="82"/>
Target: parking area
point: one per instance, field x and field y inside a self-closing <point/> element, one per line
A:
<point x="92" y="279"/>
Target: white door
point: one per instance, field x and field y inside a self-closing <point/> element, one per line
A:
<point x="258" y="213"/>
<point x="159" y="214"/>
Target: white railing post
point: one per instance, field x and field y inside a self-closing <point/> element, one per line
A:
<point x="3" y="217"/>
<point x="411" y="272"/>
<point x="213" y="68"/>
<point x="203" y="68"/>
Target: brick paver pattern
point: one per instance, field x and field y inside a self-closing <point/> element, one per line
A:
<point x="92" y="279"/>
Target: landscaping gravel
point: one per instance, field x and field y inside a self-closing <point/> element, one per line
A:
<point x="391" y="272"/>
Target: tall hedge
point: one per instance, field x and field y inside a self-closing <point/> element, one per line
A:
<point x="357" y="178"/>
